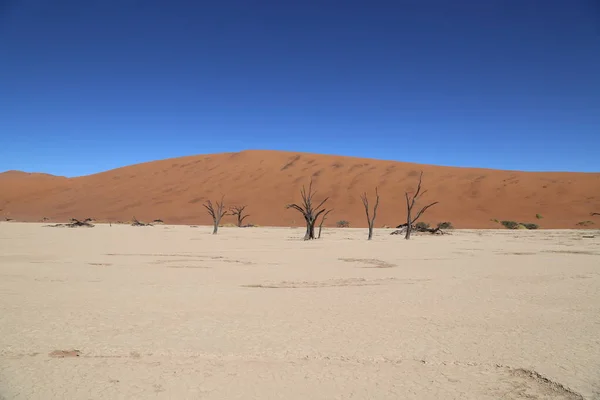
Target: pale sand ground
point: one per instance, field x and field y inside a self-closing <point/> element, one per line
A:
<point x="175" y="313"/>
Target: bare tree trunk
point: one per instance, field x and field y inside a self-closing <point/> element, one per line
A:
<point x="216" y="213"/>
<point x="410" y="203"/>
<point x="307" y="235"/>
<point x="310" y="213"/>
<point x="322" y="221"/>
<point x="408" y="220"/>
<point x="370" y="220"/>
<point x="238" y="211"/>
<point x="311" y="234"/>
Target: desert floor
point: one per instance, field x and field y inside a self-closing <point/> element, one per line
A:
<point x="175" y="312"/>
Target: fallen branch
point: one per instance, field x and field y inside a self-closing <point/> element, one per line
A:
<point x="75" y="223"/>
<point x="402" y="228"/>
<point x="135" y="222"/>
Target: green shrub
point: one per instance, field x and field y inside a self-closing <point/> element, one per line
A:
<point x="538" y="216"/>
<point x="342" y="224"/>
<point x="585" y="223"/>
<point x="422" y="225"/>
<point x="510" y="224"/>
<point x="529" y="225"/>
<point x="495" y="220"/>
<point x="445" y="225"/>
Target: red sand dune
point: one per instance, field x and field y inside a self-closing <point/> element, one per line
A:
<point x="174" y="190"/>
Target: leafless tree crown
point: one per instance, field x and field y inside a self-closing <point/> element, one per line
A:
<point x="238" y="211"/>
<point x="370" y="219"/>
<point x="308" y="211"/>
<point x="215" y="212"/>
<point x="323" y="218"/>
<point x="410" y="203"/>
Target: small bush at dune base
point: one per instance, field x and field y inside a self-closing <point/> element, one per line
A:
<point x="445" y="225"/>
<point x="422" y="225"/>
<point x="529" y="225"/>
<point x="585" y="223"/>
<point x="342" y="224"/>
<point x="538" y="216"/>
<point x="510" y="224"/>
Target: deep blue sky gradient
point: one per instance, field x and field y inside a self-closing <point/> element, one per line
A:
<point x="87" y="86"/>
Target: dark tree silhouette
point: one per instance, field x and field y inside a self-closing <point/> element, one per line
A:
<point x="370" y="219"/>
<point x="410" y="203"/>
<point x="74" y="223"/>
<point x="308" y="211"/>
<point x="238" y="211"/>
<point x="136" y="222"/>
<point x="216" y="213"/>
<point x="322" y="221"/>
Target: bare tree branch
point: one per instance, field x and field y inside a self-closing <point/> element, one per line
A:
<point x="135" y="222"/>
<point x="423" y="210"/>
<point x="216" y="213"/>
<point x="238" y="211"/>
<point x="370" y="220"/>
<point x="322" y="221"/>
<point x="410" y="203"/>
<point x="308" y="211"/>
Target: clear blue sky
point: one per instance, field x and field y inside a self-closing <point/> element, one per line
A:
<point x="87" y="86"/>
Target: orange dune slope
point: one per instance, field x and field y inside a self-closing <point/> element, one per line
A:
<point x="174" y="189"/>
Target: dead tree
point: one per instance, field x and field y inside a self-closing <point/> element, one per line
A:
<point x="322" y="221"/>
<point x="216" y="213"/>
<point x="74" y="223"/>
<point x="135" y="222"/>
<point x="308" y="211"/>
<point x="410" y="203"/>
<point x="238" y="211"/>
<point x="370" y="220"/>
<point x="87" y="223"/>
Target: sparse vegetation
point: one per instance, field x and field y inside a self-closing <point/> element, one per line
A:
<point x="215" y="213"/>
<point x="495" y="220"/>
<point x="322" y="222"/>
<point x="342" y="224"/>
<point x="238" y="211"/>
<point x="510" y="224"/>
<point x="410" y="203"/>
<point x="538" y="216"/>
<point x="445" y="225"/>
<point x="135" y="222"/>
<point x="370" y="219"/>
<point x="519" y="225"/>
<point x="307" y="210"/>
<point x="421" y="226"/>
<point x="585" y="223"/>
<point x="529" y="225"/>
<point x="74" y="223"/>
